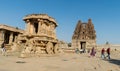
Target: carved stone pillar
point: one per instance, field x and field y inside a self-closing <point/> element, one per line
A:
<point x="31" y="28"/>
<point x="2" y="33"/>
<point x="27" y="26"/>
<point x="11" y="38"/>
<point x="16" y="38"/>
<point x="39" y="26"/>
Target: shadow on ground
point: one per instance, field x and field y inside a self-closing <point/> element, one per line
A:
<point x="114" y="61"/>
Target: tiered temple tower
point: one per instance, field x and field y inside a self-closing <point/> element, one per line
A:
<point x="84" y="35"/>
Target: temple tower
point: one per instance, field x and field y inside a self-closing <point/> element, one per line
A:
<point x="84" y="36"/>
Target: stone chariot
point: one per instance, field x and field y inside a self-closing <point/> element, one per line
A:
<point x="40" y="35"/>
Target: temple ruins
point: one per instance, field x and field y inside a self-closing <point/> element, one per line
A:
<point x="84" y="36"/>
<point x="9" y="34"/>
<point x="40" y="35"/>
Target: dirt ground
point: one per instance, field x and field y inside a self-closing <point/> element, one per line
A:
<point x="61" y="62"/>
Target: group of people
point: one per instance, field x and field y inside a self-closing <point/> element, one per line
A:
<point x="103" y="53"/>
<point x="93" y="52"/>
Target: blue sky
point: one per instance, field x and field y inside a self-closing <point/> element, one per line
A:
<point x="105" y="15"/>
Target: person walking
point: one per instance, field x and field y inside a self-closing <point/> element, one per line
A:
<point x="93" y="52"/>
<point x="103" y="53"/>
<point x="3" y="48"/>
<point x="108" y="53"/>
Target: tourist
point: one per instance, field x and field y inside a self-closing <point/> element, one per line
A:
<point x="93" y="52"/>
<point x="84" y="51"/>
<point x="3" y="48"/>
<point x="108" y="53"/>
<point x="81" y="50"/>
<point x="77" y="51"/>
<point x="103" y="53"/>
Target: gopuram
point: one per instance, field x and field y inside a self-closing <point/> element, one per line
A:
<point x="84" y="36"/>
<point x="40" y="35"/>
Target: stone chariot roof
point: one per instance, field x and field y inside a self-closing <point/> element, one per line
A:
<point x="40" y="16"/>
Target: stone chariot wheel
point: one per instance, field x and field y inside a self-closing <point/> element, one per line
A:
<point x="56" y="49"/>
<point x="49" y="48"/>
